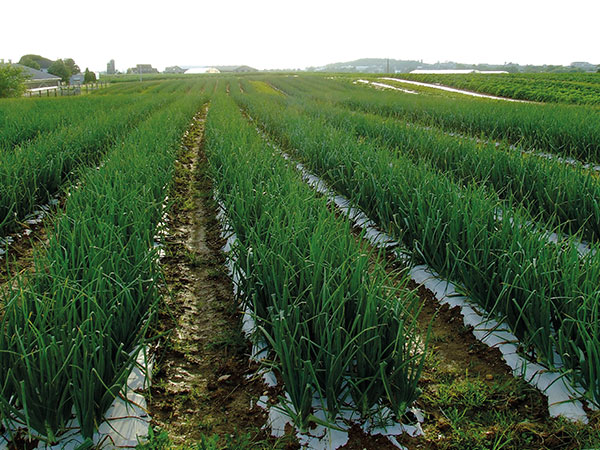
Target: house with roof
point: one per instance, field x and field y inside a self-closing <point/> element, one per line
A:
<point x="77" y="79"/>
<point x="584" y="65"/>
<point x="142" y="69"/>
<point x="38" y="80"/>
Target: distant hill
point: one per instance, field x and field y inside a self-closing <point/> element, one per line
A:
<point x="223" y="69"/>
<point x="369" y="65"/>
<point x="383" y="65"/>
<point x="36" y="62"/>
<point x="236" y="69"/>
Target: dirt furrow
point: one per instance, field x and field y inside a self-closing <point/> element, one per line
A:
<point x="203" y="385"/>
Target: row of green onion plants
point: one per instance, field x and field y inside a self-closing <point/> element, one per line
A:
<point x="555" y="194"/>
<point x="566" y="130"/>
<point x="339" y="330"/>
<point x="545" y="291"/>
<point x="136" y="87"/>
<point x="40" y="168"/>
<point x="28" y="118"/>
<point x="155" y="87"/>
<point x="70" y="329"/>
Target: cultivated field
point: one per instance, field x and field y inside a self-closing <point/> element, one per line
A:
<point x="286" y="261"/>
<point x="572" y="88"/>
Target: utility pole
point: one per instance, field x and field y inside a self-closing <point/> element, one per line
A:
<point x="388" y="66"/>
<point x="140" y="71"/>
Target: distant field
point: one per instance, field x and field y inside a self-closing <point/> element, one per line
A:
<point x="572" y="88"/>
<point x="129" y="77"/>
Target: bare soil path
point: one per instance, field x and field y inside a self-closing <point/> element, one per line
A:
<point x="203" y="383"/>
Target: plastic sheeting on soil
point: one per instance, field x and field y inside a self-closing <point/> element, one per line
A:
<point x="563" y="398"/>
<point x="35" y="218"/>
<point x="540" y="154"/>
<point x="125" y="422"/>
<point x="321" y="437"/>
<point x="386" y="86"/>
<point x="565" y="160"/>
<point x="562" y="159"/>
<point x="582" y="247"/>
<point x="450" y="89"/>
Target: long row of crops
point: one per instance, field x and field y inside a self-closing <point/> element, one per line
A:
<point x="22" y="120"/>
<point x="555" y="194"/>
<point x="546" y="292"/>
<point x="583" y="89"/>
<point x="37" y="170"/>
<point x="572" y="131"/>
<point x="339" y="330"/>
<point x="153" y="87"/>
<point x="71" y="328"/>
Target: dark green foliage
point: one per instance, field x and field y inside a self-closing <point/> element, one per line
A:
<point x="73" y="68"/>
<point x="12" y="81"/>
<point x="60" y="69"/>
<point x="37" y="170"/>
<point x="29" y="61"/>
<point x="35" y="61"/>
<point x="558" y="195"/>
<point x="89" y="77"/>
<point x="564" y="130"/>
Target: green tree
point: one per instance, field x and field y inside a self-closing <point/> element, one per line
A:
<point x="12" y="81"/>
<point x="60" y="69"/>
<point x="28" y="61"/>
<point x="73" y="68"/>
<point x="35" y="61"/>
<point x="89" y="77"/>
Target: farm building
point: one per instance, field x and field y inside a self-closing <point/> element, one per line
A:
<point x="40" y="80"/>
<point x="584" y="65"/>
<point x="142" y="68"/>
<point x="76" y="79"/>
<point x="236" y="69"/>
<point x="196" y="70"/>
<point x="174" y="69"/>
<point x="110" y="67"/>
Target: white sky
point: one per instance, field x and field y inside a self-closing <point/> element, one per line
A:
<point x="282" y="34"/>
